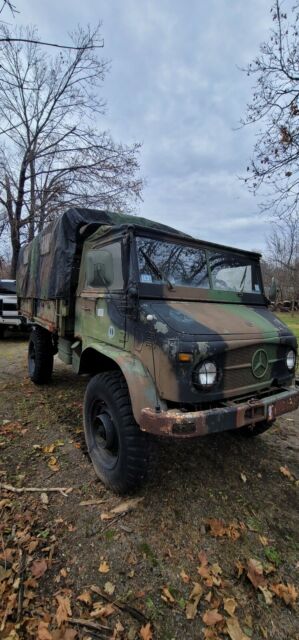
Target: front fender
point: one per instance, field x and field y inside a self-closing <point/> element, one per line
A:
<point x="141" y="386"/>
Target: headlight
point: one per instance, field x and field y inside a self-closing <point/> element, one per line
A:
<point x="291" y="360"/>
<point x="207" y="374"/>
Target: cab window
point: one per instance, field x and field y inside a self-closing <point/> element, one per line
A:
<point x="104" y="267"/>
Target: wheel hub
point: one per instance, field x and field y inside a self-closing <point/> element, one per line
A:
<point x="104" y="431"/>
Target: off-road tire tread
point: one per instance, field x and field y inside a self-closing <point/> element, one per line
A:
<point x="136" y="442"/>
<point x="42" y="341"/>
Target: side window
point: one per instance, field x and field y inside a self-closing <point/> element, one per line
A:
<point x="104" y="267"/>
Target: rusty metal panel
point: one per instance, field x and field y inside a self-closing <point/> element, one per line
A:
<point x="190" y="424"/>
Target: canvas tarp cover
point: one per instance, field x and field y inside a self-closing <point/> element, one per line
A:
<point x="46" y="264"/>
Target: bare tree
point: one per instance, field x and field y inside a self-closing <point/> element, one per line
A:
<point x="275" y="107"/>
<point x="51" y="153"/>
<point x="283" y="257"/>
<point x="7" y="4"/>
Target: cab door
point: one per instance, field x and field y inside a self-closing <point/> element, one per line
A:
<point x="100" y="304"/>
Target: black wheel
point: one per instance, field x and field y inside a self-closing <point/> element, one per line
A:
<point x="40" y="355"/>
<point x="251" y="430"/>
<point x="117" y="447"/>
<point x="1" y="331"/>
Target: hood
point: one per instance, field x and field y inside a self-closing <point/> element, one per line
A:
<point x="213" y="320"/>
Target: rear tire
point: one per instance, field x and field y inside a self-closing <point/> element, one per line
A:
<point x="40" y="355"/>
<point x="251" y="431"/>
<point x="117" y="448"/>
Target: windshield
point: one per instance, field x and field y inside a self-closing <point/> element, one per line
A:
<point x="8" y="286"/>
<point x="177" y="264"/>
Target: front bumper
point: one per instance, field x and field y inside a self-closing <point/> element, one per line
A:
<point x="14" y="321"/>
<point x="177" y="423"/>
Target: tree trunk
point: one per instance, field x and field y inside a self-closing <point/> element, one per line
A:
<point x="16" y="246"/>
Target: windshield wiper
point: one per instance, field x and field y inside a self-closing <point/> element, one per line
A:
<point x="155" y="269"/>
<point x="242" y="283"/>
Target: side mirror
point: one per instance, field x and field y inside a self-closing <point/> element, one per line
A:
<point x="273" y="290"/>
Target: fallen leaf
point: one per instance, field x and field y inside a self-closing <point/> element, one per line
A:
<point x="287" y="592"/>
<point x="194" y="598"/>
<point x="63" y="610"/>
<point x="32" y="546"/>
<point x="234" y="630"/>
<point x="230" y="605"/>
<point x="166" y="595"/>
<point x="106" y="515"/>
<point x="255" y="572"/>
<point x="203" y="558"/>
<point x="286" y="472"/>
<point x="44" y="498"/>
<point x="210" y="574"/>
<point x="102" y="611"/>
<point x="126" y="506"/>
<point x="218" y="529"/>
<point x="269" y="568"/>
<point x="119" y="629"/>
<point x="210" y="634"/>
<point x="267" y="594"/>
<point x="53" y="464"/>
<point x="109" y="588"/>
<point x="104" y="567"/>
<point x="185" y="576"/>
<point x="211" y="617"/>
<point x="39" y="567"/>
<point x="264" y="541"/>
<point x="43" y="632"/>
<point x="85" y="597"/>
<point x="146" y="632"/>
<point x="243" y="477"/>
<point x="48" y="448"/>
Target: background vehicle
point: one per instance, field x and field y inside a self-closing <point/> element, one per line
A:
<point x="176" y="334"/>
<point x="9" y="317"/>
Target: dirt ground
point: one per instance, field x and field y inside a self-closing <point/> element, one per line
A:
<point x="211" y="549"/>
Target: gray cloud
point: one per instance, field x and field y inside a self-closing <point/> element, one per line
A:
<point x="174" y="85"/>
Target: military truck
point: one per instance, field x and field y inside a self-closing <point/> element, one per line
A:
<point x="175" y="333"/>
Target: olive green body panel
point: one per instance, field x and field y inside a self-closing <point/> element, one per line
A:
<point x="94" y="319"/>
<point x="141" y="386"/>
<point x="228" y="334"/>
<point x="215" y="319"/>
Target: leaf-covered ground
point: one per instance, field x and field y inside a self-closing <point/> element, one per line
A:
<point x="209" y="548"/>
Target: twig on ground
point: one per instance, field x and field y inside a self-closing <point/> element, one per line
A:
<point x="63" y="490"/>
<point x="135" y="613"/>
<point x="22" y="574"/>
<point x="99" y="628"/>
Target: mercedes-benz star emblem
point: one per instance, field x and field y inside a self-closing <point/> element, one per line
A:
<point x="259" y="363"/>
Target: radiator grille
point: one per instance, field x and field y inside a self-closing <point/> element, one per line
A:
<point x="237" y="366"/>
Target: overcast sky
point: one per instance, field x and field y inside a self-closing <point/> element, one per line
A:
<point x="175" y="85"/>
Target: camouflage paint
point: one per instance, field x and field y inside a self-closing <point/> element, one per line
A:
<point x="144" y="333"/>
<point x="140" y="383"/>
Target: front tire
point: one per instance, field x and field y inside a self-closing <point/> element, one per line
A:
<point x="117" y="447"/>
<point x="40" y="355"/>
